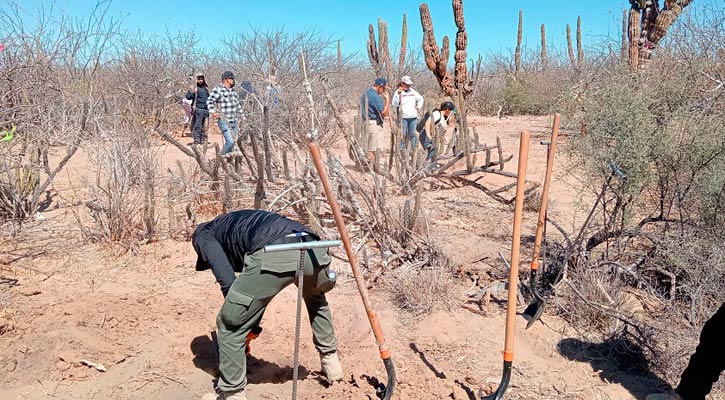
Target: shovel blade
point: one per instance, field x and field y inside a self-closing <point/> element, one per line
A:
<point x="533" y="311"/>
<point x="497" y="395"/>
<point x="505" y="378"/>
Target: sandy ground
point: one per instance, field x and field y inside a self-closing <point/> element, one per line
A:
<point x="149" y="317"/>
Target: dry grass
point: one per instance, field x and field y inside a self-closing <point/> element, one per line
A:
<point x="422" y="291"/>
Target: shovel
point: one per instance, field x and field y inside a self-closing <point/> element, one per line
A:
<point x="508" y="351"/>
<point x="384" y="392"/>
<point x="534" y="310"/>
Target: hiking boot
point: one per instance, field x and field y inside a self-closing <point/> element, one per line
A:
<point x="331" y="366"/>
<point x="664" y="396"/>
<point x="238" y="395"/>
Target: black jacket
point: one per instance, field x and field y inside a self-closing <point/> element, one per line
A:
<point x="202" y="93"/>
<point x="245" y="231"/>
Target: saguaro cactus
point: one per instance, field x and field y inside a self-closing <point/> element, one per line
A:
<point x="379" y="52"/>
<point x="373" y="54"/>
<point x="570" y="47"/>
<point x="579" y="45"/>
<point x="437" y="59"/>
<point x="633" y="34"/>
<point x="624" y="50"/>
<point x="519" y="37"/>
<point x="339" y="54"/>
<point x="543" y="47"/>
<point x="403" y="45"/>
<point x="650" y="24"/>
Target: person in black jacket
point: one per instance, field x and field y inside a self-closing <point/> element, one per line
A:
<point x="233" y="243"/>
<point x="198" y="97"/>
<point x="705" y="365"/>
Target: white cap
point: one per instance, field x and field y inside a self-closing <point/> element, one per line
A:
<point x="406" y="79"/>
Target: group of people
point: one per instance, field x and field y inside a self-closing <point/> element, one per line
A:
<point x="221" y="103"/>
<point x="224" y="105"/>
<point x="416" y="124"/>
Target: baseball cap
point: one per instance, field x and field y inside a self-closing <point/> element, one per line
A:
<point x="447" y="105"/>
<point x="406" y="79"/>
<point x="227" y="75"/>
<point x="381" y="82"/>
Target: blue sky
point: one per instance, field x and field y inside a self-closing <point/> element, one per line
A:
<point x="491" y="24"/>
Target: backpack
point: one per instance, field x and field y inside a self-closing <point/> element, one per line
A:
<point x="421" y="123"/>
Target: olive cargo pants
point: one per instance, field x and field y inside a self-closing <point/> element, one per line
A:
<point x="265" y="275"/>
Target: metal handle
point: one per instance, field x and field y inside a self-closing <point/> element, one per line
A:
<point x="320" y="244"/>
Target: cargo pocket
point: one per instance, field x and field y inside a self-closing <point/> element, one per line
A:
<point x="326" y="279"/>
<point x="235" y="308"/>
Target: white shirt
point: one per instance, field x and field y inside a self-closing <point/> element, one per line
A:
<point x="410" y="102"/>
<point x="438" y="119"/>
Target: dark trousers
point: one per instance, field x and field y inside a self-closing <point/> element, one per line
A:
<point x="198" y="125"/>
<point x="427" y="144"/>
<point x="708" y="361"/>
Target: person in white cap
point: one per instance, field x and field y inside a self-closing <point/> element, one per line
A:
<point x="411" y="104"/>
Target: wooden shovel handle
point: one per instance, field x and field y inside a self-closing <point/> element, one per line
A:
<point x="508" y="351"/>
<point x="545" y="193"/>
<point x="361" y="285"/>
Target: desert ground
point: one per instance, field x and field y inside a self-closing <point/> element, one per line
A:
<point x="148" y="316"/>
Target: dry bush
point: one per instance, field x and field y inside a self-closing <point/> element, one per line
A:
<point x="648" y="264"/>
<point x="424" y="286"/>
<point x="60" y="58"/>
<point x="123" y="204"/>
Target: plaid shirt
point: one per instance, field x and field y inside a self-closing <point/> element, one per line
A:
<point x="225" y="101"/>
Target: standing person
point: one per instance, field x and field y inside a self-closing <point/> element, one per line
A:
<point x="198" y="97"/>
<point x="224" y="106"/>
<point x="432" y="121"/>
<point x="705" y="365"/>
<point x="273" y="92"/>
<point x="234" y="242"/>
<point x="375" y="105"/>
<point x="411" y="105"/>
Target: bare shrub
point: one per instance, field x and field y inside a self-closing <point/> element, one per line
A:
<point x="422" y="290"/>
<point x="123" y="201"/>
<point x="43" y="58"/>
<point x="648" y="262"/>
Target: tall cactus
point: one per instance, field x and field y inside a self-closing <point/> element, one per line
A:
<point x="579" y="44"/>
<point x="437" y="59"/>
<point x="339" y="54"/>
<point x="570" y="47"/>
<point x="373" y="54"/>
<point x="460" y="56"/>
<point x="625" y="24"/>
<point x="648" y="24"/>
<point x="384" y="50"/>
<point x="543" y="47"/>
<point x="519" y="37"/>
<point x="633" y="35"/>
<point x="403" y="45"/>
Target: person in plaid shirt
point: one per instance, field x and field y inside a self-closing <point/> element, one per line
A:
<point x="223" y="105"/>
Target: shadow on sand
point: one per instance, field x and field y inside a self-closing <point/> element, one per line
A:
<point x="615" y="360"/>
<point x="206" y="358"/>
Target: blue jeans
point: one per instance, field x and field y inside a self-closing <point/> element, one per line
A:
<point x="230" y="133"/>
<point x="408" y="129"/>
